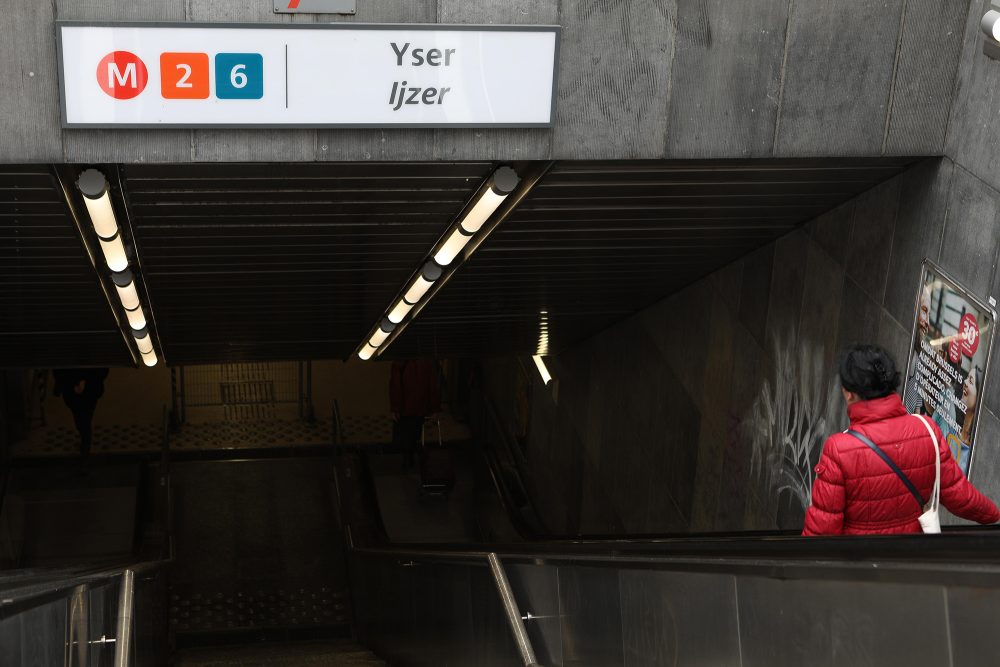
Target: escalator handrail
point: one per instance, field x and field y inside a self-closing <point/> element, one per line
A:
<point x="30" y="595"/>
<point x="518" y="461"/>
<point x="979" y="545"/>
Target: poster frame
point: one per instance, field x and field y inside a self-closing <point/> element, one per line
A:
<point x="930" y="265"/>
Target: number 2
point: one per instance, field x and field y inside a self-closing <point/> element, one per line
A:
<point x="183" y="81"/>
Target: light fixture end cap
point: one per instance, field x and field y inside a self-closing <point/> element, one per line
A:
<point x="92" y="183"/>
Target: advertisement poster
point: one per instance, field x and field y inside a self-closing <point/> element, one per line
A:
<point x="949" y="355"/>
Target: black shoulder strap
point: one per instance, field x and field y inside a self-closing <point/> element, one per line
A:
<point x="895" y="468"/>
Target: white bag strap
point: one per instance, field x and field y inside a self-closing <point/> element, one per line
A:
<point x="935" y="496"/>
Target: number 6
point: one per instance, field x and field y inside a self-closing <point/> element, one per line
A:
<point x="237" y="77"/>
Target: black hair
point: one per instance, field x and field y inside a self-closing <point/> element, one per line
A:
<point x="868" y="371"/>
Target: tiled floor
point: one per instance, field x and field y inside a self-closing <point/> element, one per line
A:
<point x="325" y="654"/>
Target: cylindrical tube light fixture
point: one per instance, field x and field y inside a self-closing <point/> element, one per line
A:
<point x="428" y="275"/>
<point x="149" y="358"/>
<point x="125" y="284"/>
<point x="136" y="318"/>
<point x="397" y="314"/>
<point x="114" y="253"/>
<point x="542" y="370"/>
<point x="143" y="341"/>
<point x="383" y="332"/>
<point x="94" y="187"/>
<point x="502" y="183"/>
<point x="473" y="217"/>
<point x="453" y="245"/>
<point x="96" y="195"/>
<point x="483" y="209"/>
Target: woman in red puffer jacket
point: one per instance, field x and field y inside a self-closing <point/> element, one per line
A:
<point x="856" y="492"/>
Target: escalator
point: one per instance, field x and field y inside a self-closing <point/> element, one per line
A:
<point x="505" y="593"/>
<point x="764" y="598"/>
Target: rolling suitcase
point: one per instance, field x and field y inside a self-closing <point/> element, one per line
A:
<point x="437" y="471"/>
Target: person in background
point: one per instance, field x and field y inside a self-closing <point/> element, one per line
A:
<point x="911" y="397"/>
<point x="857" y="493"/>
<point x="970" y="396"/>
<point x="80" y="389"/>
<point x="414" y="394"/>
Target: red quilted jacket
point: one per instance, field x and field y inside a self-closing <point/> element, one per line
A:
<point x="856" y="493"/>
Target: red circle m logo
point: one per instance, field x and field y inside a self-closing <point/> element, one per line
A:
<point x="122" y="75"/>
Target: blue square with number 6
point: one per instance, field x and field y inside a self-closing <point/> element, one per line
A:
<point x="239" y="76"/>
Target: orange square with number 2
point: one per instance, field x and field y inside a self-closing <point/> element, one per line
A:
<point x="184" y="76"/>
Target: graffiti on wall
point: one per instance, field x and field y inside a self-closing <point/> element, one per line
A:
<point x="789" y="421"/>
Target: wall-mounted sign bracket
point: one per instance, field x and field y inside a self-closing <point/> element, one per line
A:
<point x="315" y="6"/>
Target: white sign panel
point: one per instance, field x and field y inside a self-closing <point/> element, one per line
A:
<point x="217" y="75"/>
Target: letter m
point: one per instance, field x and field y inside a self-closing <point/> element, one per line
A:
<point x="115" y="74"/>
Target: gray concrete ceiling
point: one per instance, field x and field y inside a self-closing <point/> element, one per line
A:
<point x="282" y="261"/>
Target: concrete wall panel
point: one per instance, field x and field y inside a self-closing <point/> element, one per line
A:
<point x="859" y="316"/>
<point x="254" y="145"/>
<point x="785" y="298"/>
<point x="29" y="109"/>
<point x="973" y="134"/>
<point x="871" y="237"/>
<point x="104" y="10"/>
<point x="833" y="229"/>
<point x="757" y="269"/>
<point x="627" y="87"/>
<point x="363" y="145"/>
<point x="923" y="199"/>
<point x="930" y="45"/>
<point x="614" y="83"/>
<point x="971" y="233"/>
<point x="838" y="74"/>
<point x="724" y="103"/>
<point x="820" y="304"/>
<point x="127" y="145"/>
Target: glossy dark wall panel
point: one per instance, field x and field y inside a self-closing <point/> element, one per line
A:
<point x="430" y="614"/>
<point x="592" y="619"/>
<point x="841" y="623"/>
<point x="424" y="614"/>
<point x="671" y="618"/>
<point x="34" y="637"/>
<point x="973" y="619"/>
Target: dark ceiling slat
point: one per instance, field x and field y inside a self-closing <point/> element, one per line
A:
<point x="293" y="171"/>
<point x="149" y="187"/>
<point x="291" y="261"/>
<point x="290" y="198"/>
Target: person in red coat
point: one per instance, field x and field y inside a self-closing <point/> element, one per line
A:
<point x="856" y="492"/>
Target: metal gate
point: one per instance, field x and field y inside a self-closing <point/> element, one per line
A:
<point x="243" y="392"/>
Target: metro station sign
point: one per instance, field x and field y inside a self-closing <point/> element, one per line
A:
<point x="309" y="75"/>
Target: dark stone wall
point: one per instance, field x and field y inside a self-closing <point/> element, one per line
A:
<point x="666" y="421"/>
